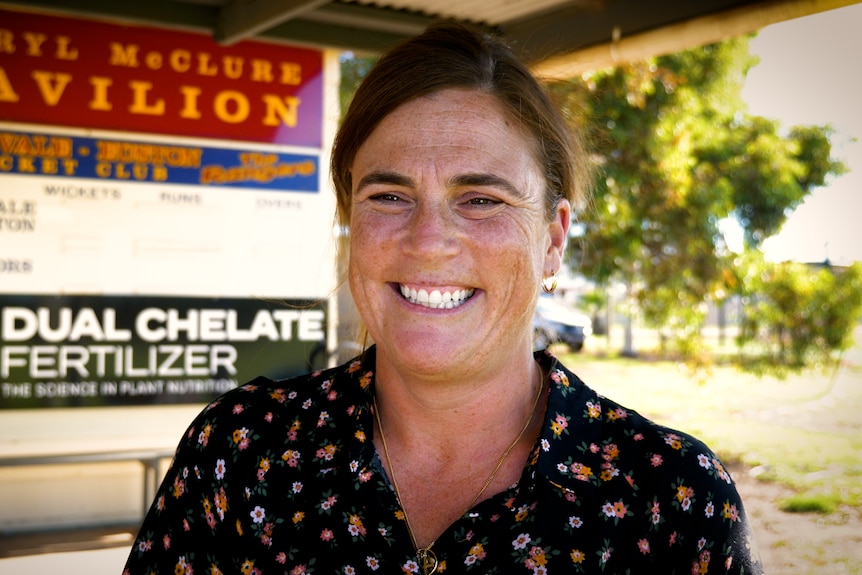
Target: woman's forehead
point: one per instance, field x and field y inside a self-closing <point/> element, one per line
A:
<point x="462" y="125"/>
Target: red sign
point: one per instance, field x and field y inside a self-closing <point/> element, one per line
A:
<point x="88" y="74"/>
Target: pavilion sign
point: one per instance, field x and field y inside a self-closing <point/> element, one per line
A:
<point x="81" y="73"/>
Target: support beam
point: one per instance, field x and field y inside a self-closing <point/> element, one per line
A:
<point x="240" y="19"/>
<point x="681" y="36"/>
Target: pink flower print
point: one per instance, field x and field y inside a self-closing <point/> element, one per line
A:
<point x="559" y="425"/>
<point x="643" y="545"/>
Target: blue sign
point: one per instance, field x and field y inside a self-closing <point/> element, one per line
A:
<point x="44" y="155"/>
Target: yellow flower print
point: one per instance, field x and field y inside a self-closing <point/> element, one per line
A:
<point x="238" y="528"/>
<point x="581" y="471"/>
<point x="673" y="440"/>
<point x="537" y="559"/>
<point x="239" y="434"/>
<point x="561" y="378"/>
<point x="730" y="512"/>
<point x="594" y="410"/>
<point x="291" y="457"/>
<point x="179" y="488"/>
<point x="360" y="435"/>
<point x="247" y="566"/>
<point x="616" y="414"/>
<point x="559" y="425"/>
<point x="683" y="492"/>
<point x="298" y="517"/>
<point x="577" y="556"/>
<point x="356" y="527"/>
<point x="214" y="570"/>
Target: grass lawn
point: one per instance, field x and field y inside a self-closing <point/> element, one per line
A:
<point x="804" y="431"/>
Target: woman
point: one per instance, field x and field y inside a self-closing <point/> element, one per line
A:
<point x="449" y="446"/>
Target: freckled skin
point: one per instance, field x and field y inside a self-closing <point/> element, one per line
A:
<point x="448" y="194"/>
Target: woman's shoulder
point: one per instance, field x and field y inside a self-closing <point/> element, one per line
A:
<point x="615" y="440"/>
<point x="273" y="407"/>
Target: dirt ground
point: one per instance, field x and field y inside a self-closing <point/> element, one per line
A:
<point x="799" y="543"/>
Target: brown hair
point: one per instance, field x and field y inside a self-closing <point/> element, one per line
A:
<point x="447" y="56"/>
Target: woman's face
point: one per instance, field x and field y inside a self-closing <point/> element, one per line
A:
<point x="449" y="238"/>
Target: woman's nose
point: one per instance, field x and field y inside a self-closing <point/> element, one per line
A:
<point x="432" y="231"/>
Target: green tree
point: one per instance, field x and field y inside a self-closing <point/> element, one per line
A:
<point x="354" y="67"/>
<point x="677" y="155"/>
<point x="798" y="315"/>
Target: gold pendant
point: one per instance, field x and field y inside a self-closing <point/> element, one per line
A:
<point x="427" y="560"/>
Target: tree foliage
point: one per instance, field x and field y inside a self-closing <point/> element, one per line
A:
<point x="677" y="155"/>
<point x="798" y="314"/>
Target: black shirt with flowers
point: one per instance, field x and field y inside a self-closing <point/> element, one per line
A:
<point x="282" y="477"/>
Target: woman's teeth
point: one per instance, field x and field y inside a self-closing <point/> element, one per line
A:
<point x="436" y="299"/>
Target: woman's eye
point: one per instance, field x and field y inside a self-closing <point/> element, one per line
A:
<point x="386" y="197"/>
<point x="482" y="202"/>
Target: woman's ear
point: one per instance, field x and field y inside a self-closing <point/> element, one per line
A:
<point x="558" y="230"/>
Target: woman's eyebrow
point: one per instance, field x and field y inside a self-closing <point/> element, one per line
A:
<point x="461" y="180"/>
<point x="487" y="181"/>
<point x="385" y="178"/>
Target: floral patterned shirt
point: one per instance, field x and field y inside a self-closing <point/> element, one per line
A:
<point x="282" y="477"/>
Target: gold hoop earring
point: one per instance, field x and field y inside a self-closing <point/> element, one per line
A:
<point x="549" y="285"/>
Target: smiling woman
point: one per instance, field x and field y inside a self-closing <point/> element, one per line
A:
<point x="449" y="444"/>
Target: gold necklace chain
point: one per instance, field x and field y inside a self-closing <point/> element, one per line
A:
<point x="426" y="558"/>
